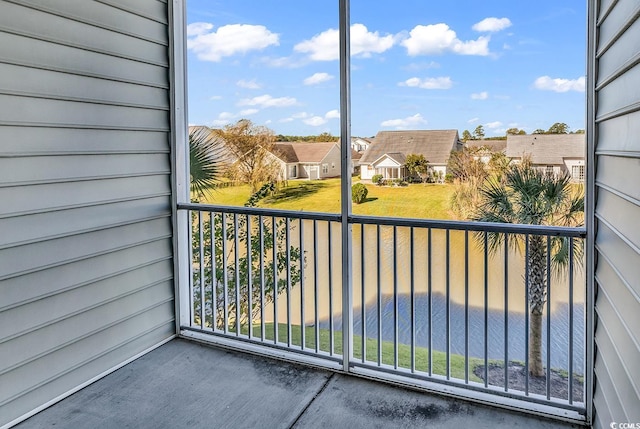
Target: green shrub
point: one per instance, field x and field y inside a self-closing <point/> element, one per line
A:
<point x="376" y="178"/>
<point x="359" y="193"/>
<point x="448" y="178"/>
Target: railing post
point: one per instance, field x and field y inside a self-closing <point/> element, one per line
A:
<point x="345" y="183"/>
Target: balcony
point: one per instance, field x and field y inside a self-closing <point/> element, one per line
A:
<point x="434" y="305"/>
<point x="184" y="384"/>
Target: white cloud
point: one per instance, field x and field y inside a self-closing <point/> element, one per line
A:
<point x="480" y="95"/>
<point x="215" y="97"/>
<point x="332" y="114"/>
<point x="428" y="82"/>
<point x="268" y="101"/>
<point x="472" y="120"/>
<point x="546" y="83"/>
<point x="317" y="78"/>
<point x="411" y="121"/>
<point x="249" y="84"/>
<point x="493" y="125"/>
<point x="439" y="39"/>
<point x="247" y="112"/>
<point x="325" y="46"/>
<point x="300" y="115"/>
<point x="228" y="40"/>
<point x="268" y="121"/>
<point x="315" y="121"/>
<point x="284" y="120"/>
<point x="492" y="24"/>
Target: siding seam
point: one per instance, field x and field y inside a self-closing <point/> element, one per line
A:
<point x="621" y="319"/>
<point x="83" y="205"/>
<point x="131" y="11"/>
<point x="606" y="13"/>
<point x="625" y="110"/>
<point x="617" y="352"/>
<point x="81" y="47"/>
<point x="81" y="126"/>
<point x="625" y="67"/>
<point x="85" y="283"/>
<point x="620" y="235"/>
<point x="92" y="23"/>
<point x="82" y="100"/>
<point x="604" y="47"/>
<point x="76" y="232"/>
<point x="76" y="313"/>
<point x="617" y="193"/>
<point x="85" y="153"/>
<point x="83" y="74"/>
<point x="83" y="179"/>
<point x="85" y="257"/>
<point x="619" y="153"/>
<point x="86" y="361"/>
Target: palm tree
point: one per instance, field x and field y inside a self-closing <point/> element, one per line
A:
<point x="205" y="161"/>
<point x="525" y="195"/>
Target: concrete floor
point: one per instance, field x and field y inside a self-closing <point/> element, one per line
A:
<point x="187" y="385"/>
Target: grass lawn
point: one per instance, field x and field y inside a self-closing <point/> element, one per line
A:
<point x="404" y="351"/>
<point x="416" y="200"/>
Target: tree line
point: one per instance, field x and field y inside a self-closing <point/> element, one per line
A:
<point x="556" y="128"/>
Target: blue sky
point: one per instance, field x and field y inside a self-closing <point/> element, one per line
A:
<point x="416" y="64"/>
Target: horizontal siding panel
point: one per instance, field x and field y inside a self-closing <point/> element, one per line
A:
<point x="34" y="112"/>
<point x="39" y="313"/>
<point x="37" y="256"/>
<point x="20" y="80"/>
<point x="620" y="375"/>
<point x="622" y="174"/>
<point x="623" y="258"/>
<point x="57" y="362"/>
<point x="104" y="16"/>
<point x="621" y="133"/>
<point x="73" y="376"/>
<point x="25" y="229"/>
<point x="45" y="26"/>
<point x="61" y="141"/>
<point x="622" y="92"/>
<point x="69" y="168"/>
<point x="625" y="296"/>
<point x="606" y="397"/>
<point x="620" y="214"/>
<point x="620" y="54"/>
<point x="154" y="10"/>
<point x="71" y="367"/>
<point x="54" y="336"/>
<point x="40" y="285"/>
<point x="51" y="56"/>
<point x="48" y="197"/>
<point x="623" y="11"/>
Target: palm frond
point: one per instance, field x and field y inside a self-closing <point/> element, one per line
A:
<point x="205" y="160"/>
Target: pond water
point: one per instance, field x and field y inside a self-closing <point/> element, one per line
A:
<point x="389" y="266"/>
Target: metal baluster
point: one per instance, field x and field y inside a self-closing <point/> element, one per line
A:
<point x="506" y="312"/>
<point x="315" y="283"/>
<point x="413" y="303"/>
<point x="201" y="258"/>
<point x="302" y="319"/>
<point x="486" y="309"/>
<point x="466" y="306"/>
<point x="448" y="306"/>
<point x="249" y="278"/>
<point x="288" y="252"/>
<point x="214" y="274"/>
<point x="261" y="239"/>
<point x="363" y="317"/>
<point x="225" y="274"/>
<point x="276" y="288"/>
<point x="526" y="316"/>
<point x="395" y="297"/>
<point x="570" y="320"/>
<point x="548" y="317"/>
<point x="379" y="291"/>
<point x="236" y="251"/>
<point x="430" y="303"/>
<point x="330" y="258"/>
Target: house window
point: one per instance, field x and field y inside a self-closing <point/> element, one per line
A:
<point x="549" y="170"/>
<point x="325" y="168"/>
<point x="293" y="172"/>
<point x="577" y="172"/>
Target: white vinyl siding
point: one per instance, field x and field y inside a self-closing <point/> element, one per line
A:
<point x="86" y="254"/>
<point x="617" y="208"/>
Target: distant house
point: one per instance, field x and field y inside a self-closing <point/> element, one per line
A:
<point x="360" y="144"/>
<point x="387" y="153"/>
<point x="486" y="148"/>
<point x="301" y="160"/>
<point x="555" y="153"/>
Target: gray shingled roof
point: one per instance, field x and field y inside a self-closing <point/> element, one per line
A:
<point x="435" y="145"/>
<point x="548" y="149"/>
<point x="491" y="145"/>
<point x="302" y="151"/>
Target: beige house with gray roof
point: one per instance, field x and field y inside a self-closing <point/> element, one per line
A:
<point x="302" y="160"/>
<point x="555" y="153"/>
<point x="388" y="151"/>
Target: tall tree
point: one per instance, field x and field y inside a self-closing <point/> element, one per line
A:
<point x="515" y="132"/>
<point x="478" y="133"/>
<point x="466" y="135"/>
<point x="558" y="128"/>
<point x="205" y="161"/>
<point x="539" y="131"/>
<point x="250" y="146"/>
<point x="528" y="196"/>
<point x="417" y="165"/>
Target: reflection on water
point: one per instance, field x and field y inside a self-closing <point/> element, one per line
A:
<point x="399" y="259"/>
